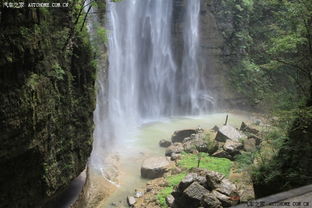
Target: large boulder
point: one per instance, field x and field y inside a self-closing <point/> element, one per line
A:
<point x="228" y="132"/>
<point x="213" y="179"/>
<point x="186" y="181"/>
<point x="189" y="179"/>
<point x="175" y="148"/>
<point x="232" y="147"/>
<point x="191" y="196"/>
<point x="227" y="188"/>
<point x="179" y="136"/>
<point x="154" y="167"/>
<point x="204" y="188"/>
<point x="195" y="144"/>
<point x="164" y="143"/>
<point x="224" y="190"/>
<point x="246" y="128"/>
<point x="194" y="193"/>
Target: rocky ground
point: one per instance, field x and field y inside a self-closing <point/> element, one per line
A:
<point x="199" y="187"/>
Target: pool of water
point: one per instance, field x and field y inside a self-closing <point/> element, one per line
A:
<point x="132" y="151"/>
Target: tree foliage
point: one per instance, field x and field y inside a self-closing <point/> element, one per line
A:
<point x="270" y="53"/>
<point x="269" y="49"/>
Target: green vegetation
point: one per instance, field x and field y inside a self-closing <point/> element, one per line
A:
<point x="268" y="46"/>
<point x="161" y="196"/>
<point x="284" y="161"/>
<point x="221" y="165"/>
<point x="269" y="49"/>
<point x="245" y="160"/>
<point x="189" y="161"/>
<point x="172" y="181"/>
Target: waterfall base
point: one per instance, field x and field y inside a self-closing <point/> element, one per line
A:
<point x="110" y="187"/>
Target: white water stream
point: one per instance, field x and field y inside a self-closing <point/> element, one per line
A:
<point x="144" y="82"/>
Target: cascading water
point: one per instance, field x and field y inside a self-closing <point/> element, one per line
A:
<point x="189" y="93"/>
<point x="144" y="80"/>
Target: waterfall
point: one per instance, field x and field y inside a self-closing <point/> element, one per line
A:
<point x="145" y="80"/>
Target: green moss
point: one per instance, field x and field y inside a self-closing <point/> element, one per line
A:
<point x="161" y="196"/>
<point x="174" y="180"/>
<point x="221" y="165"/>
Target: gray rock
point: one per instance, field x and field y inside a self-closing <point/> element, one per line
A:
<point x="227" y="188"/>
<point x="179" y="136"/>
<point x="186" y="181"/>
<point x="186" y="139"/>
<point x="170" y="200"/>
<point x="202" y="146"/>
<point x="213" y="179"/>
<point x="164" y="143"/>
<point x="175" y="156"/>
<point x="228" y="132"/>
<point x="215" y="128"/>
<point x="131" y="200"/>
<point x="204" y="188"/>
<point x="232" y="147"/>
<point x="250" y="145"/>
<point x="246" y="128"/>
<point x="194" y="136"/>
<point x="196" y="144"/>
<point x="189" y="146"/>
<point x="201" y="180"/>
<point x="210" y="201"/>
<point x="193" y="194"/>
<point x="154" y="167"/>
<point x="174" y="148"/>
<point x="222" y="154"/>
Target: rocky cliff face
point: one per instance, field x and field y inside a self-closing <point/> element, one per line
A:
<point x="46" y="99"/>
<point x="217" y="52"/>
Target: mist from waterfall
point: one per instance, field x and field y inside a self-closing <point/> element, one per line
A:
<point x="144" y="80"/>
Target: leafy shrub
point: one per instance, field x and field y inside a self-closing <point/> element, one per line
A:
<point x="245" y="160"/>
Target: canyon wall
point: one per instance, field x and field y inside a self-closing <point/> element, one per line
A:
<point x="47" y="98"/>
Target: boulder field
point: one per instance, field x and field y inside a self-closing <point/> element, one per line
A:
<point x="200" y="187"/>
